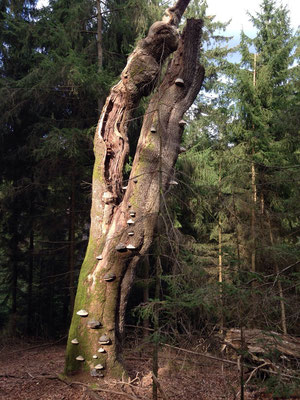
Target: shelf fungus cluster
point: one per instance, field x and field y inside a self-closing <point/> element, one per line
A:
<point x="131" y="222"/>
<point x="103" y="340"/>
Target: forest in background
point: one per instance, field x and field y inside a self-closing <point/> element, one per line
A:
<point x="229" y="244"/>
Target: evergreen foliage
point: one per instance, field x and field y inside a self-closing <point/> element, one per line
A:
<point x="244" y="125"/>
<point x="50" y="90"/>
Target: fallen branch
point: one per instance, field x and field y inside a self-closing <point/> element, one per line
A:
<point x="254" y="371"/>
<point x="231" y="362"/>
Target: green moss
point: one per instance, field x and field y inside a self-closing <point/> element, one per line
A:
<point x="81" y="301"/>
<point x="117" y="371"/>
<point x="98" y="172"/>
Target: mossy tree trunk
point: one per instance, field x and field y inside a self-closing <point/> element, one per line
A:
<point x="113" y="199"/>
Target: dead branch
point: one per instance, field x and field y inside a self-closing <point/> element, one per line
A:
<point x="231" y="362"/>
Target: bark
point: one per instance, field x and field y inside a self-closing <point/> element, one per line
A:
<point x="113" y="199"/>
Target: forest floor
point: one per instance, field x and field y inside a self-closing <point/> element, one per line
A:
<point x="31" y="371"/>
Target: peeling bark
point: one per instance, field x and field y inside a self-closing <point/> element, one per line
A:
<point x="114" y="199"/>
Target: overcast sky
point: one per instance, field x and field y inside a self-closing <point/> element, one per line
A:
<point x="236" y="10"/>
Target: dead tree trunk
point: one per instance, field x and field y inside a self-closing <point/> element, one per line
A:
<point x="124" y="213"/>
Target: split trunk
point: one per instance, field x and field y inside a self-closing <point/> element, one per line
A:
<point x="124" y="212"/>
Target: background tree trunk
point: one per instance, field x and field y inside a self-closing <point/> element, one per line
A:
<point x="121" y="207"/>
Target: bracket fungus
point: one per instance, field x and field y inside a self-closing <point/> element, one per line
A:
<point x="94" y="324"/>
<point x="182" y="123"/>
<point x="173" y="183"/>
<point x="120" y="247"/>
<point x="130" y="222"/>
<point x="124" y="187"/>
<point x="130" y="233"/>
<point x="104" y="339"/>
<point x="182" y="149"/>
<point x="101" y="350"/>
<point x="79" y="358"/>
<point x="109" y="277"/>
<point x="82" y="313"/>
<point x="108" y="197"/>
<point x="131" y="247"/>
<point x="95" y="356"/>
<point x="179" y="82"/>
<point x="132" y="213"/>
<point x="74" y="341"/>
<point x="153" y="129"/>
<point x="99" y="366"/>
<point x="100" y="257"/>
